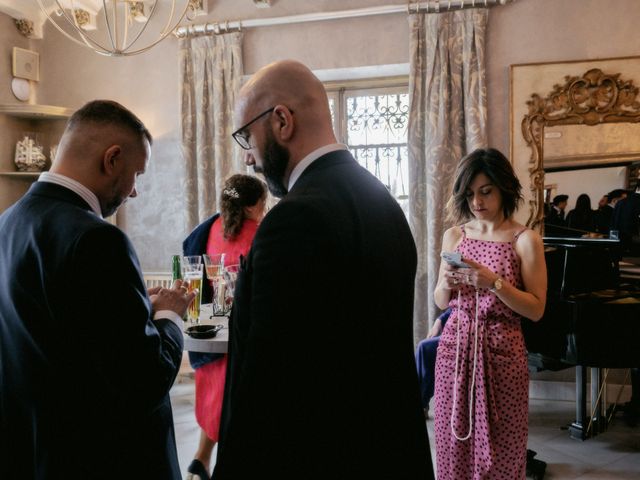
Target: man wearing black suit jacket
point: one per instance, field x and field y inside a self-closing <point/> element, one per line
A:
<point x="87" y="357"/>
<point x="321" y="381"/>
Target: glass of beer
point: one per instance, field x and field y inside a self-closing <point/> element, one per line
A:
<point x="214" y="266"/>
<point x="192" y="276"/>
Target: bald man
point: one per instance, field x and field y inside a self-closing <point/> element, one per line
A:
<point x="321" y="381"/>
<point x="87" y="357"/>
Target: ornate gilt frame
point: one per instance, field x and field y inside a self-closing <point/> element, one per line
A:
<point x="593" y="98"/>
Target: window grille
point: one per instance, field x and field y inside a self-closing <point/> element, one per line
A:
<point x="373" y="123"/>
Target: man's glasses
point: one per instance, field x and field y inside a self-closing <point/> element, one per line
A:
<point x="242" y="134"/>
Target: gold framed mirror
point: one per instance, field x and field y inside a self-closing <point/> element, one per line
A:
<point x="585" y="129"/>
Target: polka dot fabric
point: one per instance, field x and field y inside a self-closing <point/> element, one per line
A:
<point x="497" y="446"/>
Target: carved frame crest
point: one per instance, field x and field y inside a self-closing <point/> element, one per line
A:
<point x="595" y="97"/>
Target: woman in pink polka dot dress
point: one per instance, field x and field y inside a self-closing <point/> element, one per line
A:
<point x="482" y="381"/>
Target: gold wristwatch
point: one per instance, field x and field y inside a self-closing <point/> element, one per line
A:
<point x="497" y="285"/>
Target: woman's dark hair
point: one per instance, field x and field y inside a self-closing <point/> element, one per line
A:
<point x="583" y="203"/>
<point x="239" y="191"/>
<point x="499" y="171"/>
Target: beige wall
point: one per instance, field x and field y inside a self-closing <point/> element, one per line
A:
<point x="523" y="32"/>
<point x="10" y="188"/>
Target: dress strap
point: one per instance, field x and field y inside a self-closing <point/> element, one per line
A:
<point x="464" y="234"/>
<point x="517" y="235"/>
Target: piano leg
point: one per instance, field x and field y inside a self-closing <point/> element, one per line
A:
<point x="599" y="398"/>
<point x="578" y="429"/>
<point x="581" y="429"/>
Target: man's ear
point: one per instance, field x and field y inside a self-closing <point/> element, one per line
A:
<point x="110" y="158"/>
<point x="284" y="122"/>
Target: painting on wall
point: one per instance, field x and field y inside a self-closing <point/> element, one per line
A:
<point x="575" y="115"/>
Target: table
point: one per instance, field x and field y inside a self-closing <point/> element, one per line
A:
<point x="217" y="344"/>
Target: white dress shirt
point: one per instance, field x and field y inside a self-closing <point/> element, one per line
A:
<point x="309" y="159"/>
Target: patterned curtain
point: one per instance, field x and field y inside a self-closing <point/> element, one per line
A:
<point x="447" y="119"/>
<point x="211" y="77"/>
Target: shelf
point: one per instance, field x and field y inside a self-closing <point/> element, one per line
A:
<point x="36" y="112"/>
<point x="29" y="175"/>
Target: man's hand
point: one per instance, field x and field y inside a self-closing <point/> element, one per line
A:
<point x="177" y="298"/>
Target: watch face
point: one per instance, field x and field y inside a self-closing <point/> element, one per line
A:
<point x="21" y="88"/>
<point x="497" y="284"/>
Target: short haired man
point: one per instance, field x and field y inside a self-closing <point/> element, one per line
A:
<point x="321" y="381"/>
<point x="554" y="221"/>
<point x="87" y="357"/>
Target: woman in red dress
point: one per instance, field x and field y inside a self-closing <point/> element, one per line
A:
<point x="242" y="206"/>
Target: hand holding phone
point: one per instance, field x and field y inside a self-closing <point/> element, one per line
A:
<point x="454" y="259"/>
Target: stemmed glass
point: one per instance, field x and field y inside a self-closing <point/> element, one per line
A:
<point x="214" y="266"/>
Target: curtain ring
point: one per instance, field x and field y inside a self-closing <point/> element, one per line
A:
<point x="226" y="26"/>
<point x="239" y="26"/>
<point x="437" y="6"/>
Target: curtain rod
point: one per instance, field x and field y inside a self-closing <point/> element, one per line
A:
<point x="432" y="6"/>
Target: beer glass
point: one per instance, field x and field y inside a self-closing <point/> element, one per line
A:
<point x="192" y="275"/>
<point x="214" y="265"/>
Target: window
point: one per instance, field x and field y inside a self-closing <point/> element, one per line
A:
<point x="373" y="123"/>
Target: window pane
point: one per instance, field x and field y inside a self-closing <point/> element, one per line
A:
<point x="377" y="136"/>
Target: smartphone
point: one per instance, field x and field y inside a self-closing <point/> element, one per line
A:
<point x="455" y="259"/>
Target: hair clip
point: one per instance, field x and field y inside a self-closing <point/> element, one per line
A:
<point x="231" y="192"/>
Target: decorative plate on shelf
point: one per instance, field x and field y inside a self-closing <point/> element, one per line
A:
<point x="21" y="88"/>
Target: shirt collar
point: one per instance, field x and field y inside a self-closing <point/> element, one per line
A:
<point x="309" y="159"/>
<point x="75" y="186"/>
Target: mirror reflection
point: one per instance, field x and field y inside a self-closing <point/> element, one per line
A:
<point x="585" y="141"/>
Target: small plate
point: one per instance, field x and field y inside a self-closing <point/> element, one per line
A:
<point x="204" y="331"/>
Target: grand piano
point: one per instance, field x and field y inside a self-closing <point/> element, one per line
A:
<point x="591" y="322"/>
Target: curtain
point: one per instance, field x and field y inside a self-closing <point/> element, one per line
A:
<point x="211" y="77"/>
<point x="447" y="120"/>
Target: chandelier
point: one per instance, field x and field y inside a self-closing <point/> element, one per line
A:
<point x="116" y="27"/>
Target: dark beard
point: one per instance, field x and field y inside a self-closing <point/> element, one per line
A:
<point x="275" y="161"/>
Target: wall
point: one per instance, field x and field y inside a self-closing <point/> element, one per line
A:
<point x="149" y="85"/>
<point x="523" y="32"/>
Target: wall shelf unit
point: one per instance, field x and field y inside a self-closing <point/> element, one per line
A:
<point x="47" y="121"/>
<point x="36" y="112"/>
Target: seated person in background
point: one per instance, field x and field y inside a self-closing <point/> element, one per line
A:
<point x="231" y="232"/>
<point x="581" y="220"/>
<point x="554" y="221"/>
<point x="426" y="359"/>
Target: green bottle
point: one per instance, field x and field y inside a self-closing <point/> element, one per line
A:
<point x="176" y="268"/>
<point x="176" y="274"/>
